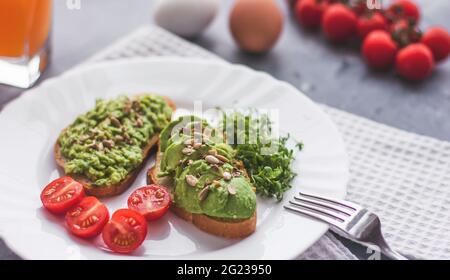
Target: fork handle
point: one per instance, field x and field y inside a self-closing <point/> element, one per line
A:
<point x="388" y="252"/>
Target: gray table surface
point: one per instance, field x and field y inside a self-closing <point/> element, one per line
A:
<point x="333" y="75"/>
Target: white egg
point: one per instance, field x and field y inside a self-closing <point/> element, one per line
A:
<point x="186" y="18"/>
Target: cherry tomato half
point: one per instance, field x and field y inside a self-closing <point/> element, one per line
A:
<point x="151" y="201"/>
<point x="125" y="232"/>
<point x="62" y="194"/>
<point x="87" y="218"/>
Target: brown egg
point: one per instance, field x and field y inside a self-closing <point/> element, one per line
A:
<point x="256" y="24"/>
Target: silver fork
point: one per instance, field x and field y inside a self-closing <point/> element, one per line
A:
<point x="346" y="219"/>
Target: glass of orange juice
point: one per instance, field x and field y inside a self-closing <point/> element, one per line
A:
<point x="24" y="40"/>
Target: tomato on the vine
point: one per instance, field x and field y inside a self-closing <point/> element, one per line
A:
<point x="415" y="62"/>
<point x="309" y="12"/>
<point x="404" y="32"/>
<point x="339" y="22"/>
<point x="379" y="49"/>
<point x="438" y="40"/>
<point x="403" y="9"/>
<point x="370" y="22"/>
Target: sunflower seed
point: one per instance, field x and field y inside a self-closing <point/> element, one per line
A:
<point x="236" y="173"/>
<point x="226" y="175"/>
<point x="188" y="142"/>
<point x="203" y="194"/>
<point x="187" y="151"/>
<point x="115" y="121"/>
<point x="197" y="145"/>
<point x="119" y="138"/>
<point x="136" y="106"/>
<point x="108" y="143"/>
<point x="191" y="180"/>
<point x="139" y="122"/>
<point x="212" y="159"/>
<point x="127" y="108"/>
<point x="231" y="189"/>
<point x="212" y="152"/>
<point x="222" y="158"/>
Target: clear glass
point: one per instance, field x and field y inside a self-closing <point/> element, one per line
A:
<point x="24" y="40"/>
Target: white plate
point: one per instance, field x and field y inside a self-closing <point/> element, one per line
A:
<point x="31" y="124"/>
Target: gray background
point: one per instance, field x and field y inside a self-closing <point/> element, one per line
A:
<point x="330" y="74"/>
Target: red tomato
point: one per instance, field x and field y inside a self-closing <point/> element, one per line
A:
<point x="125" y="232"/>
<point x="370" y="22"/>
<point x="309" y="12"/>
<point x="87" y="218"/>
<point x="61" y="194"/>
<point x="379" y="49"/>
<point x="438" y="40"/>
<point x="403" y="9"/>
<point x="415" y="62"/>
<point x="339" y="22"/>
<point x="151" y="201"/>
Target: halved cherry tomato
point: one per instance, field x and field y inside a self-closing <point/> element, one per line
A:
<point x="151" y="201"/>
<point x="62" y="194"/>
<point x="125" y="232"/>
<point x="87" y="218"/>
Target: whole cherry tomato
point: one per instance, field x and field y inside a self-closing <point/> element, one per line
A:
<point x="369" y="22"/>
<point x="403" y="9"/>
<point x="379" y="49"/>
<point x="438" y="40"/>
<point x="309" y="12"/>
<point x="339" y="22"/>
<point x="415" y="62"/>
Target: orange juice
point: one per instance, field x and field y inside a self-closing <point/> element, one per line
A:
<point x="24" y="26"/>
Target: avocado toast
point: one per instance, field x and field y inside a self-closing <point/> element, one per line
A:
<point x="210" y="188"/>
<point x="105" y="148"/>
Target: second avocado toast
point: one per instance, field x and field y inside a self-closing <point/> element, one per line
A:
<point x="210" y="187"/>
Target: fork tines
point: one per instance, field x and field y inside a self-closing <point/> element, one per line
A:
<point x="331" y="211"/>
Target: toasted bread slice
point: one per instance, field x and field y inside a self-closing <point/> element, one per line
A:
<point x="105" y="191"/>
<point x="228" y="228"/>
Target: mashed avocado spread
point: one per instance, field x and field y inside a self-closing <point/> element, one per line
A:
<point x="208" y="179"/>
<point x="106" y="143"/>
